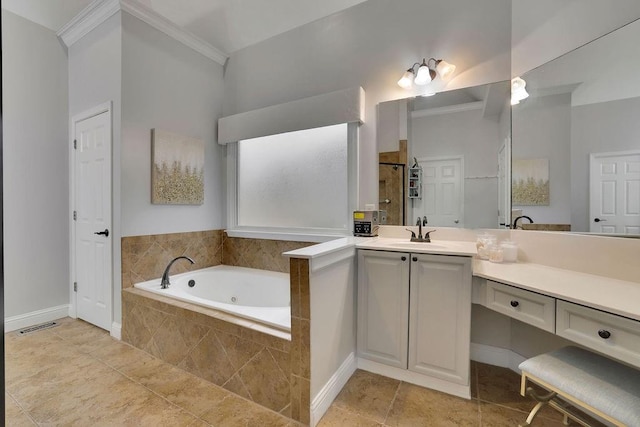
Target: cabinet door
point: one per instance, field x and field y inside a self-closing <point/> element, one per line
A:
<point x="440" y="316"/>
<point x="383" y="306"/>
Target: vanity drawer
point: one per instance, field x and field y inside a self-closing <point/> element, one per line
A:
<point x="528" y="307"/>
<point x="607" y="333"/>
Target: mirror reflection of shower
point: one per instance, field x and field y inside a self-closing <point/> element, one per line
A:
<point x="391" y="191"/>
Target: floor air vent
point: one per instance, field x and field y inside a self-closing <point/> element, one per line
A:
<point x="36" y="328"/>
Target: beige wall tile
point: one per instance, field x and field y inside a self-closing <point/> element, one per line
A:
<point x="266" y="383"/>
<point x="259" y="253"/>
<point x="146" y="257"/>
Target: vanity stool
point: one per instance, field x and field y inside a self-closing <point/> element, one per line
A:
<point x="574" y="376"/>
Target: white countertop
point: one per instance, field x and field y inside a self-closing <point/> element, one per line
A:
<point x="602" y="293"/>
<point x="599" y="292"/>
<point x="437" y="247"/>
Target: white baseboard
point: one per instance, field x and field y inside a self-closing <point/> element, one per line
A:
<point x="496" y="356"/>
<point x="416" y="378"/>
<point x="328" y="393"/>
<point x="116" y="330"/>
<point x="20" y="321"/>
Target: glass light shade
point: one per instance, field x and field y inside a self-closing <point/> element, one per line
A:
<point x="517" y="83"/>
<point x="406" y="81"/>
<point x="445" y="70"/>
<point x="518" y="95"/>
<point x="423" y="76"/>
<point x="518" y="91"/>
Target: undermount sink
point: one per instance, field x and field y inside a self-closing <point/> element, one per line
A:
<point x="426" y="245"/>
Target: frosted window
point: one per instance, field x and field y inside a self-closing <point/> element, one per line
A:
<point x="294" y="180"/>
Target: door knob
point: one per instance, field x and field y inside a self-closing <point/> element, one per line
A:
<point x="104" y="233"/>
<point x="599" y="220"/>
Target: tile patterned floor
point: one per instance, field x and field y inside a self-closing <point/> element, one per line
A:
<point x="77" y="375"/>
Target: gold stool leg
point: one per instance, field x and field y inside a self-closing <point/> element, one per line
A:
<point x="542" y="400"/>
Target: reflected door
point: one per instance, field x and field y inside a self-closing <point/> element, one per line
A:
<point x="615" y="193"/>
<point x="391" y="191"/>
<point x="442" y="192"/>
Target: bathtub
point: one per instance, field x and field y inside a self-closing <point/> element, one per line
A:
<point x="259" y="295"/>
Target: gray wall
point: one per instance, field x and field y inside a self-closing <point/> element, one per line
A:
<point x="36" y="184"/>
<point x="370" y="45"/>
<point x="168" y="86"/>
<point x="546" y="29"/>
<point x="475" y="138"/>
<point x="95" y="78"/>
<point x="598" y="128"/>
<point x="542" y="129"/>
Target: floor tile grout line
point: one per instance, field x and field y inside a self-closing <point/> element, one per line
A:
<point x="24" y="411"/>
<point x="133" y="380"/>
<point x="228" y="393"/>
<point x="395" y="396"/>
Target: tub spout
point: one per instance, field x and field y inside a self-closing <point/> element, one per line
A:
<point x="164" y="283"/>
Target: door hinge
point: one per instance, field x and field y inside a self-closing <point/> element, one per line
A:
<point x="75" y="286"/>
<point x="75" y="144"/>
<point x="75" y="215"/>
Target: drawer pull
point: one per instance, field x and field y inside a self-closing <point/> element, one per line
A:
<point x="604" y="334"/>
<point x="404" y="258"/>
<point x="514" y="303"/>
<point x="415" y="258"/>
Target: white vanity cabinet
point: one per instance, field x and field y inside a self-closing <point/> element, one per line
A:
<point x="414" y="318"/>
<point x="440" y="316"/>
<point x="383" y="307"/>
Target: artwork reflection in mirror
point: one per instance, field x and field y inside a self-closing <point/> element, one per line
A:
<point x="461" y="141"/>
<point x="583" y="114"/>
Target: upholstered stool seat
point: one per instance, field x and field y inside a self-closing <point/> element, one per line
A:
<point x="600" y="385"/>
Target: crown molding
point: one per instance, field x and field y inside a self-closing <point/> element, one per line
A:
<point x="457" y="108"/>
<point x="89" y="18"/>
<point x="100" y="10"/>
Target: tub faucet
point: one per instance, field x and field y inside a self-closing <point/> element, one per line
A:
<point x="515" y="221"/>
<point x="164" y="283"/>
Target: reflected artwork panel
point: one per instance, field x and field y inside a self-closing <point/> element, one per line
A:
<point x="530" y="182"/>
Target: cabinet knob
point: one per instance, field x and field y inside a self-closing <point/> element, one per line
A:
<point x="604" y="334"/>
<point x="404" y="258"/>
<point x="415" y="258"/>
<point x="514" y="303"/>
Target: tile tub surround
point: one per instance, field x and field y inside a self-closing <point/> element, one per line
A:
<point x="239" y="357"/>
<point x="259" y="253"/>
<point x="146" y="257"/>
<point x="300" y="341"/>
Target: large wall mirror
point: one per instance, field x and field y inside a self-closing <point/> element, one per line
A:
<point x="576" y="139"/>
<point x="460" y="141"/>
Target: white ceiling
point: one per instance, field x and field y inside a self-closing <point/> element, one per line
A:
<point x="228" y="25"/>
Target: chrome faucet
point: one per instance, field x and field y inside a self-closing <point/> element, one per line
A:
<point x="515" y="221"/>
<point x="164" y="283"/>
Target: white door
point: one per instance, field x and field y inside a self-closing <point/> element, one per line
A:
<point x="504" y="184"/>
<point x="92" y="181"/>
<point x="615" y="193"/>
<point x="442" y="192"/>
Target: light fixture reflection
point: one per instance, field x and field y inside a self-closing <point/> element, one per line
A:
<point x="518" y="91"/>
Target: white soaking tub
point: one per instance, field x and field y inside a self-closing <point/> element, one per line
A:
<point x="259" y="295"/>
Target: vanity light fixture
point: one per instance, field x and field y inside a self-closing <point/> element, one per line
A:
<point x="518" y="91"/>
<point x="425" y="72"/>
